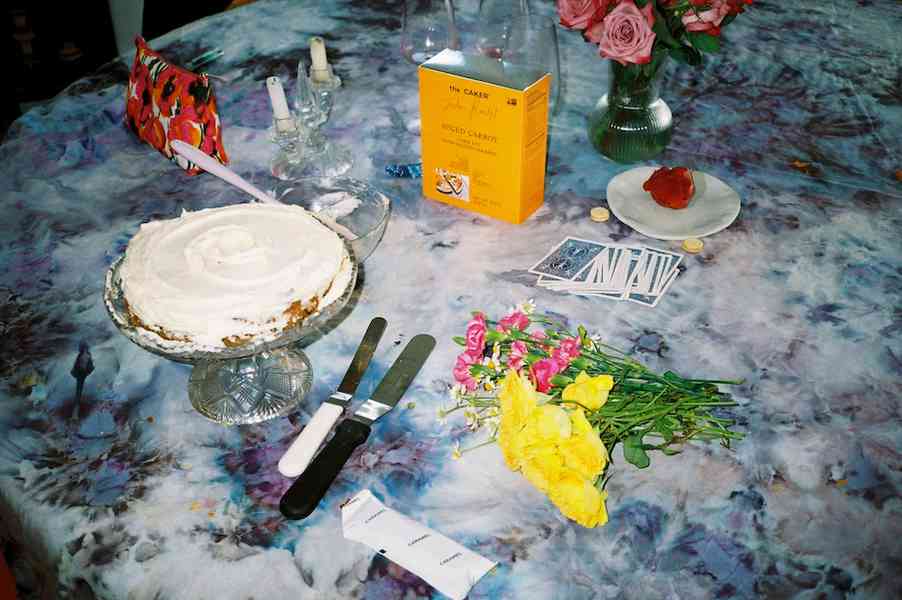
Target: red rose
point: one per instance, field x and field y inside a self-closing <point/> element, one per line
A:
<point x="581" y="14"/>
<point x="671" y="188"/>
<point x="736" y="6"/>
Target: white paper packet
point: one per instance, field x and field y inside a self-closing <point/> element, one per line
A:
<point x="443" y="563"/>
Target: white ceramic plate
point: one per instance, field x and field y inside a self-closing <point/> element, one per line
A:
<point x="713" y="207"/>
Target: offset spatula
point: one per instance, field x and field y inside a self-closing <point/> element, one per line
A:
<point x="304" y="447"/>
<point x="305" y="493"/>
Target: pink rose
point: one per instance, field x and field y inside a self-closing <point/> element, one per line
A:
<point x="567" y="350"/>
<point x="517" y="353"/>
<point x="707" y="21"/>
<point x="538" y="335"/>
<point x="515" y="320"/>
<point x="543" y="370"/>
<point x="461" y="371"/>
<point x="626" y="34"/>
<point x="581" y="14"/>
<point x="476" y="335"/>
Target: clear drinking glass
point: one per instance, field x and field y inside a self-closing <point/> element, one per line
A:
<point x="531" y="41"/>
<point x="427" y="28"/>
<point x="493" y="25"/>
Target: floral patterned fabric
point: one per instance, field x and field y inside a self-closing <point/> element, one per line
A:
<point x="135" y="496"/>
<point x="165" y="102"/>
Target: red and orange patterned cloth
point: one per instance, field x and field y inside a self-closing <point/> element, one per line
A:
<point x="166" y="102"/>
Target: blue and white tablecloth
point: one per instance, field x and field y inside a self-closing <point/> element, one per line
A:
<point x="141" y="498"/>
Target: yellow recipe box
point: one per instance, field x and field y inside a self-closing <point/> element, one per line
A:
<point x="484" y="132"/>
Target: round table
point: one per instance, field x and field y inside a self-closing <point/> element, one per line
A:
<point x="139" y="497"/>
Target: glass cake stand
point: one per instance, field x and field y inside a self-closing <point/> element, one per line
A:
<point x="247" y="384"/>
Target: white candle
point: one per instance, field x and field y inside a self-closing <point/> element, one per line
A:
<point x="277" y="97"/>
<point x="280" y="112"/>
<point x="319" y="69"/>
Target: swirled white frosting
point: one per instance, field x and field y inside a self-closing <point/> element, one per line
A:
<point x="231" y="273"/>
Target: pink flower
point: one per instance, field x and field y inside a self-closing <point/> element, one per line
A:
<point x="461" y="371"/>
<point x="581" y="14"/>
<point x="626" y="35"/>
<point x="517" y="353"/>
<point x="542" y="372"/>
<point x="708" y="21"/>
<point x="567" y="350"/>
<point x="476" y="335"/>
<point x="515" y="320"/>
<point x="538" y="335"/>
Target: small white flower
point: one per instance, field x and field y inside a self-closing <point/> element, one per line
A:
<point x="456" y="453"/>
<point x="472" y="419"/>
<point x="442" y="415"/>
<point x="527" y="307"/>
<point x="457" y="392"/>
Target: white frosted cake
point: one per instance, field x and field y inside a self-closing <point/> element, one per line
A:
<point x="224" y="277"/>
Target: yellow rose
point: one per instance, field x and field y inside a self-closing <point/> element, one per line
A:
<point x="583" y="451"/>
<point x="542" y="466"/>
<point x="510" y="443"/>
<point x="548" y="422"/>
<point x="591" y="392"/>
<point x="517" y="400"/>
<point x="585" y="454"/>
<point x="579" y="500"/>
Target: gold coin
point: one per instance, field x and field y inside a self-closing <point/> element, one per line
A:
<point x="693" y="246"/>
<point x="599" y="214"/>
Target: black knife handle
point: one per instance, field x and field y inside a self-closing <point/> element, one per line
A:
<point x="304" y="495"/>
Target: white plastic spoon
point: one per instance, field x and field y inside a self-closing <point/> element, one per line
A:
<point x="213" y="166"/>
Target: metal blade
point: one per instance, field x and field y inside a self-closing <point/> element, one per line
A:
<point x="363" y="355"/>
<point x="397" y="380"/>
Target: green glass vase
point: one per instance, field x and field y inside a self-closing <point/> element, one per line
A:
<point x="631" y="123"/>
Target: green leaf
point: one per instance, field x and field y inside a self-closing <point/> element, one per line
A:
<point x="703" y="41"/>
<point x="657" y="56"/>
<point x="687" y="55"/>
<point x="493" y="336"/>
<point x="665" y="431"/>
<point x="669" y="451"/>
<point x="641" y="3"/>
<point x="561" y="381"/>
<point x="532" y="357"/>
<point x="460" y="340"/>
<point x="662" y="31"/>
<point x="727" y="20"/>
<point x="581" y="364"/>
<point x="634" y="453"/>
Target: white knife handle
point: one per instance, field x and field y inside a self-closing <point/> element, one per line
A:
<point x="302" y="449"/>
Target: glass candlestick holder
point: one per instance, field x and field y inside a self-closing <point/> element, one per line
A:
<point x="286" y="135"/>
<point x="317" y="156"/>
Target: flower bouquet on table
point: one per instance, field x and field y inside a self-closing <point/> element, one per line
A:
<point x="631" y="122"/>
<point x="557" y="402"/>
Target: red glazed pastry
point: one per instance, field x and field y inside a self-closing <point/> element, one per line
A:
<point x="672" y="188"/>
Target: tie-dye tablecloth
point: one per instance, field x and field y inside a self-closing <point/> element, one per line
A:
<point x="142" y="498"/>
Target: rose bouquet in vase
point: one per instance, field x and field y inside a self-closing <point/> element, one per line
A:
<point x="631" y="122"/>
<point x="558" y="402"/>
